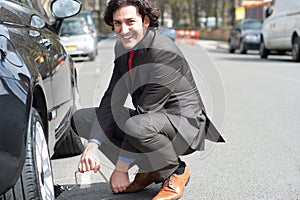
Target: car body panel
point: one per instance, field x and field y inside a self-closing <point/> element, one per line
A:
<point x="14" y="122"/>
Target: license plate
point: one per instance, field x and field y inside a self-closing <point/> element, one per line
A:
<point x="69" y="48"/>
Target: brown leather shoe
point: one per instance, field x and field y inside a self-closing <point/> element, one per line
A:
<point x="141" y="180"/>
<point x="173" y="187"/>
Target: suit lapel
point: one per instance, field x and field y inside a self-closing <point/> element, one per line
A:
<point x="142" y="51"/>
<point x="139" y="57"/>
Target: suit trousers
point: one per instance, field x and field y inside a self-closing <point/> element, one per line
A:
<point x="150" y="139"/>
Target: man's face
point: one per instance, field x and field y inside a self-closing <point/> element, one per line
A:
<point x="129" y="26"/>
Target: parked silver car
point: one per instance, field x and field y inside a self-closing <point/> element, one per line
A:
<point x="78" y="39"/>
<point x="245" y="36"/>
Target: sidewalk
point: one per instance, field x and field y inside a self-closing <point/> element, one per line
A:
<point x="213" y="44"/>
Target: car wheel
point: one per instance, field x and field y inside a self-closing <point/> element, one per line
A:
<point x="242" y="48"/>
<point x="92" y="56"/>
<point x="36" y="181"/>
<point x="231" y="49"/>
<point x="296" y="49"/>
<point x="263" y="51"/>
<point x="37" y="165"/>
<point x="70" y="145"/>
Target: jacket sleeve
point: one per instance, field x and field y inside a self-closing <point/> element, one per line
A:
<point x="107" y="113"/>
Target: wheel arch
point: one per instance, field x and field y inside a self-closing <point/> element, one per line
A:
<point x="40" y="104"/>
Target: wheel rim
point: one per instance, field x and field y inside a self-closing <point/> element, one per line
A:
<point x="43" y="164"/>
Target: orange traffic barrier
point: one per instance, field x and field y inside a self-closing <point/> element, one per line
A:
<point x="193" y="34"/>
<point x="187" y="36"/>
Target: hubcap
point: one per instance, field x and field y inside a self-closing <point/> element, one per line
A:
<point x="43" y="164"/>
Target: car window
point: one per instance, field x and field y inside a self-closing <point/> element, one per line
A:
<point x="74" y="27"/>
<point x="88" y="18"/>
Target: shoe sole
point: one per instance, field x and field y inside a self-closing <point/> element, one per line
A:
<point x="187" y="182"/>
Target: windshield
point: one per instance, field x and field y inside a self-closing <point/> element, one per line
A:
<point x="74" y="27"/>
<point x="252" y="25"/>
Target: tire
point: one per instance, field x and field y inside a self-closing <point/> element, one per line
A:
<point x="231" y="49"/>
<point x="92" y="56"/>
<point x="70" y="145"/>
<point x="263" y="51"/>
<point x="296" y="49"/>
<point x="36" y="181"/>
<point x="242" y="48"/>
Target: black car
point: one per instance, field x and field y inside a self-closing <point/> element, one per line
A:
<point x="38" y="94"/>
<point x="245" y="36"/>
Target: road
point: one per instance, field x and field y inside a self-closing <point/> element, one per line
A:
<point x="255" y="103"/>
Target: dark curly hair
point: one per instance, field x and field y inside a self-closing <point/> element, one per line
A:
<point x="144" y="8"/>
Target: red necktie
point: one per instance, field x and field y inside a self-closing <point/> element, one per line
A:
<point x="130" y="59"/>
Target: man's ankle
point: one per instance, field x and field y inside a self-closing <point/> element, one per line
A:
<point x="180" y="169"/>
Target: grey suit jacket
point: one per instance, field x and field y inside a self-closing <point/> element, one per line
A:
<point x="161" y="82"/>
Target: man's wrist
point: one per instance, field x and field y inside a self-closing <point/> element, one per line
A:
<point x="126" y="160"/>
<point x="95" y="141"/>
<point x="122" y="166"/>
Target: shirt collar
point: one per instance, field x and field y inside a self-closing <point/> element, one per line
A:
<point x="136" y="46"/>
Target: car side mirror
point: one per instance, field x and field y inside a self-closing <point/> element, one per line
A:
<point x="65" y="8"/>
<point x="62" y="9"/>
<point x="237" y="29"/>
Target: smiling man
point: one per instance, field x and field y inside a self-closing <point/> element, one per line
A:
<point x="168" y="119"/>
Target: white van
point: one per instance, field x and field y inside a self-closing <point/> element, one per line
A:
<point x="281" y="30"/>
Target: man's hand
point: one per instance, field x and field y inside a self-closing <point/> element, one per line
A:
<point x="89" y="160"/>
<point x="119" y="181"/>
